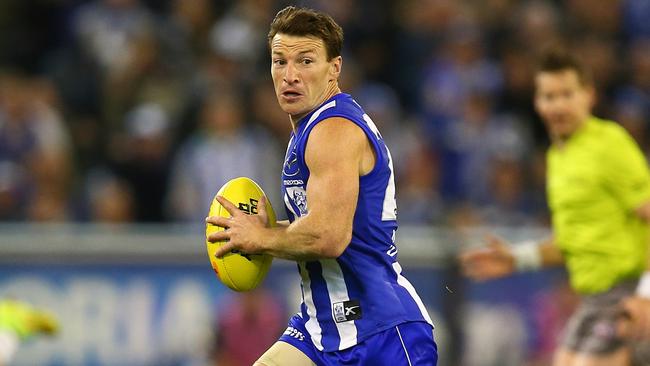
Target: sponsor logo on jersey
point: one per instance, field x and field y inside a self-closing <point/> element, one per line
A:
<point x="295" y="333"/>
<point x="293" y="182"/>
<point x="346" y="311"/>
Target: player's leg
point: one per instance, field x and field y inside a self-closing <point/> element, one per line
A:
<point x="294" y="347"/>
<point x="620" y="357"/>
<point x="616" y="358"/>
<point x="407" y="344"/>
<point x="563" y="357"/>
<point x="418" y="344"/>
<point x="281" y="354"/>
<point x="592" y="336"/>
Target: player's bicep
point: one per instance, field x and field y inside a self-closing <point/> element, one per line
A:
<point x="333" y="155"/>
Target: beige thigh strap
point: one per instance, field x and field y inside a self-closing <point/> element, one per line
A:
<point x="284" y="354"/>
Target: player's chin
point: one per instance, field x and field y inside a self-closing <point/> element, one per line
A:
<point x="291" y="108"/>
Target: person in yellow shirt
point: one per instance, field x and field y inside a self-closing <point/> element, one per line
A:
<point x="20" y="321"/>
<point x="598" y="189"/>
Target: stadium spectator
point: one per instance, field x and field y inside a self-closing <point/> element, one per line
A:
<point x="248" y="324"/>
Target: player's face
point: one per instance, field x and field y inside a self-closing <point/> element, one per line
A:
<point x="302" y="75"/>
<point x="563" y="102"/>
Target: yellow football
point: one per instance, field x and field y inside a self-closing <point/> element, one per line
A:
<point x="239" y="271"/>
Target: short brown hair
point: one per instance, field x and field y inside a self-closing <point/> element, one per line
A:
<point x="308" y="22"/>
<point x="556" y="58"/>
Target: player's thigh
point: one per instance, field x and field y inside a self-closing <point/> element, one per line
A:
<point x="563" y="357"/>
<point x="566" y="357"/>
<point x="284" y="354"/>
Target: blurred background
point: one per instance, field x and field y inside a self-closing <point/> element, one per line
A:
<point x="120" y="119"/>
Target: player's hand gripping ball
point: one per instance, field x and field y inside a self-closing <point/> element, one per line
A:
<point x="239" y="271"/>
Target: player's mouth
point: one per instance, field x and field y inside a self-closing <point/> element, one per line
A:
<point x="290" y="95"/>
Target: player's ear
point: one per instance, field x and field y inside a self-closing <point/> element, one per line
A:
<point x="591" y="95"/>
<point x="335" y="67"/>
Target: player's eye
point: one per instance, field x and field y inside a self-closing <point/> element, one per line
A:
<point x="279" y="61"/>
<point x="307" y="61"/>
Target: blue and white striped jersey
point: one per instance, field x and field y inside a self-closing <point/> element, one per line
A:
<point x="362" y="292"/>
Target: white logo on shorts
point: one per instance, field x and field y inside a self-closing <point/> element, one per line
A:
<point x="295" y="333"/>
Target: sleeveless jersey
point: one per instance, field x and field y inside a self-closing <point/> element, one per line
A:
<point x="362" y="292"/>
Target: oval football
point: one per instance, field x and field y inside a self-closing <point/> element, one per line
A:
<point x="239" y="271"/>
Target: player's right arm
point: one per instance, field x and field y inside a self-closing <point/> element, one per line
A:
<point x="498" y="259"/>
<point x="337" y="153"/>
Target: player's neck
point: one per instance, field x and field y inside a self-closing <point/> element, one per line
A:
<point x="560" y="140"/>
<point x="330" y="92"/>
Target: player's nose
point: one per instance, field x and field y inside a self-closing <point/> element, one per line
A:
<point x="291" y="74"/>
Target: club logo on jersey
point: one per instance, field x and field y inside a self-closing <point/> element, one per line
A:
<point x="299" y="198"/>
<point x="291" y="167"/>
<point x="346" y="311"/>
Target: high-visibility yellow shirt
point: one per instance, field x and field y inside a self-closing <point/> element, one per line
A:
<point x="595" y="181"/>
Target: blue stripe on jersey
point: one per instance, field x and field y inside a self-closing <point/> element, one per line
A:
<point x="322" y="301"/>
<point x="347" y="299"/>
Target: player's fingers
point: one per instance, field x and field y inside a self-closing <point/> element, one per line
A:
<point x="224" y="249"/>
<point x="624" y="327"/>
<point x="495" y="242"/>
<point x="476" y="271"/>
<point x="261" y="206"/>
<point x="639" y="317"/>
<point x="223" y="222"/>
<point x="229" y="206"/>
<point x="477" y="256"/>
<point x="644" y="323"/>
<point x="219" y="236"/>
<point x="471" y="255"/>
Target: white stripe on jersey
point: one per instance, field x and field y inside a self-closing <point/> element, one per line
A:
<point x="311" y="325"/>
<point x="408" y="358"/>
<point x="389" y="210"/>
<point x="317" y="113"/>
<point x="286" y="154"/>
<point x="338" y="292"/>
<point x="402" y="281"/>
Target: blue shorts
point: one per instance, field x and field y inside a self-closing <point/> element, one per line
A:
<point x="406" y="344"/>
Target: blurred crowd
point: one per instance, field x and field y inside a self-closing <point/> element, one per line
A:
<point x="138" y="111"/>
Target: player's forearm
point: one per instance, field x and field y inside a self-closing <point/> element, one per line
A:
<point x="305" y="239"/>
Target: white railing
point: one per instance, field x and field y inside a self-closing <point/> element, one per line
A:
<point x="418" y="245"/>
